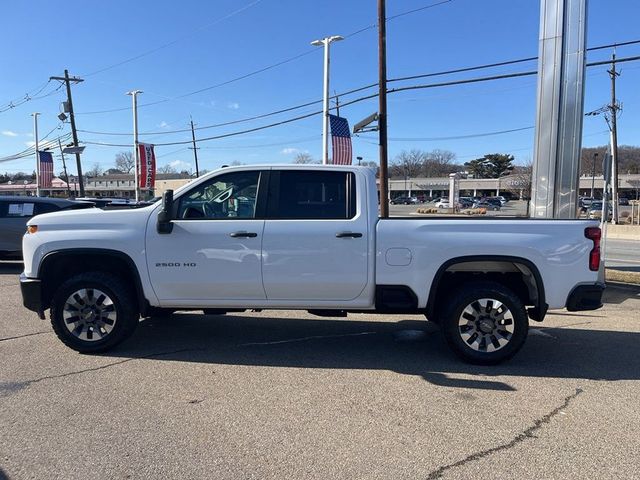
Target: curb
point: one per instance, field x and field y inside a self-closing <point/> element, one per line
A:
<point x="620" y="276"/>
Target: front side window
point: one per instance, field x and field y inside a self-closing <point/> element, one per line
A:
<point x="312" y="195"/>
<point x="228" y="196"/>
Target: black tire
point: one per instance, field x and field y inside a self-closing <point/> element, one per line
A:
<point x="120" y="309"/>
<point x="490" y="335"/>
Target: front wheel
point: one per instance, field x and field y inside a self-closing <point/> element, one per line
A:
<point x="93" y="312"/>
<point x="484" y="323"/>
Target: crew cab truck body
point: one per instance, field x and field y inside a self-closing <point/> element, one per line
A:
<point x="305" y="237"/>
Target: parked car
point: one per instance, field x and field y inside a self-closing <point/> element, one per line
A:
<point x="443" y="203"/>
<point x="489" y="205"/>
<point x="595" y="211"/>
<point x="623" y="201"/>
<point x="16" y="211"/>
<point x="313" y="241"/>
<point x="465" y="202"/>
<point x="404" y="201"/>
<point x="499" y="199"/>
<point x="585" y="202"/>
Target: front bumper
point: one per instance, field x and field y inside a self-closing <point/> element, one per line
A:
<point x="31" y="289"/>
<point x="585" y="297"/>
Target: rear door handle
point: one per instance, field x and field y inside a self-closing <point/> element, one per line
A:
<point x="348" y="235"/>
<point x="243" y="235"/>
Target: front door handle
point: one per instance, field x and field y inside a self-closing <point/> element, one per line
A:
<point x="348" y="235"/>
<point x="243" y="235"/>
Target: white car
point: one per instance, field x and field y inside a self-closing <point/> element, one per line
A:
<point x="309" y="238"/>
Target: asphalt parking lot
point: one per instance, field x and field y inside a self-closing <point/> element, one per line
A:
<point x="277" y="395"/>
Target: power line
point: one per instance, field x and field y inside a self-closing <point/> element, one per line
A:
<point x="31" y="150"/>
<point x="173" y="42"/>
<point x="268" y="67"/>
<point x="359" y="89"/>
<point x="360" y="99"/>
<point x="28" y="98"/>
<point x="459" y="137"/>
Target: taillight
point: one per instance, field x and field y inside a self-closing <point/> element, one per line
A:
<point x="594" y="234"/>
<point x="32" y="229"/>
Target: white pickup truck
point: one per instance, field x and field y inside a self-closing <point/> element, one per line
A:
<point x="305" y="237"/>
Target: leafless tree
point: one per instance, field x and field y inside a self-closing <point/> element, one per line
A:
<point x="167" y="169"/>
<point x="519" y="182"/>
<point x="125" y="161"/>
<point x="304" y="158"/>
<point x="439" y="163"/>
<point x="94" y="171"/>
<point x="407" y="164"/>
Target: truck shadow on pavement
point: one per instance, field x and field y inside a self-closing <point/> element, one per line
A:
<point x="410" y="347"/>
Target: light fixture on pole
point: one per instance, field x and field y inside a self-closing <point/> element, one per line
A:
<point x="325" y="103"/>
<point x="136" y="155"/>
<point x="35" y="137"/>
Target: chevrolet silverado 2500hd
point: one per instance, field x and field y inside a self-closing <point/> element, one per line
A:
<point x="304" y="237"/>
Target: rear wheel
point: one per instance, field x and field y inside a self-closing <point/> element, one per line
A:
<point x="93" y="312"/>
<point x="484" y="323"/>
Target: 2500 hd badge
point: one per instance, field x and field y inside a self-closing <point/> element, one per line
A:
<point x="175" y="264"/>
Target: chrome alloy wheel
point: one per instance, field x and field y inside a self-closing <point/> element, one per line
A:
<point x="89" y="314"/>
<point x="486" y="325"/>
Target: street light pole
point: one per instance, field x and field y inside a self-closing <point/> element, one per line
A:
<point x="325" y="102"/>
<point x="35" y="137"/>
<point x="136" y="155"/>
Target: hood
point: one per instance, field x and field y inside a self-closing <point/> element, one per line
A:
<point x="90" y="218"/>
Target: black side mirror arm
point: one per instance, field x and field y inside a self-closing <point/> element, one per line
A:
<point x="165" y="225"/>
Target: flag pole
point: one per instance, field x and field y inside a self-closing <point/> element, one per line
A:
<point x="35" y="137"/>
<point x="136" y="154"/>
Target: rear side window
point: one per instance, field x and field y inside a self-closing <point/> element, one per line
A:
<point x="311" y="195"/>
<point x="20" y="209"/>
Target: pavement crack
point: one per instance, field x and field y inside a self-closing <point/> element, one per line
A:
<point x="521" y="437"/>
<point x="27" y="383"/>
<point x="25" y="335"/>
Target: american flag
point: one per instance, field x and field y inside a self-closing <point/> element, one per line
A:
<point x="340" y="140"/>
<point x="46" y="169"/>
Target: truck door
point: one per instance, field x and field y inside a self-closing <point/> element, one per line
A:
<point x="315" y="237"/>
<point x="212" y="256"/>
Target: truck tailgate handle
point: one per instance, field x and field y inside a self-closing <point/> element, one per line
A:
<point x="243" y="235"/>
<point x="348" y="235"/>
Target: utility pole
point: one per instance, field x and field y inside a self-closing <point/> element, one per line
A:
<point x="67" y="80"/>
<point x="136" y="153"/>
<point x="35" y="137"/>
<point x="593" y="174"/>
<point x="195" y="149"/>
<point x="614" y="139"/>
<point x="382" y="109"/>
<point x="64" y="167"/>
<point x="337" y="103"/>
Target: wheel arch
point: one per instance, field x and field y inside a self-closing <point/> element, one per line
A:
<point x="64" y="263"/>
<point x="530" y="274"/>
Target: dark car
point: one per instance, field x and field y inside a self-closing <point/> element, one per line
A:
<point x="16" y="211"/>
<point x="488" y="204"/>
<point x="403" y="200"/>
<point x="623" y="201"/>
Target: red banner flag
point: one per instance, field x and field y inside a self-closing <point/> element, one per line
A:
<point x="147" y="167"/>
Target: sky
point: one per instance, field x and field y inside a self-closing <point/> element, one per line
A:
<point x="171" y="50"/>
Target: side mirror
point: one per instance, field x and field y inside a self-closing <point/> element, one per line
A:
<point x="164" y="224"/>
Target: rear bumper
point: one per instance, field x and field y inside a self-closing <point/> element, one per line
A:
<point x="585" y="297"/>
<point x="31" y="289"/>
